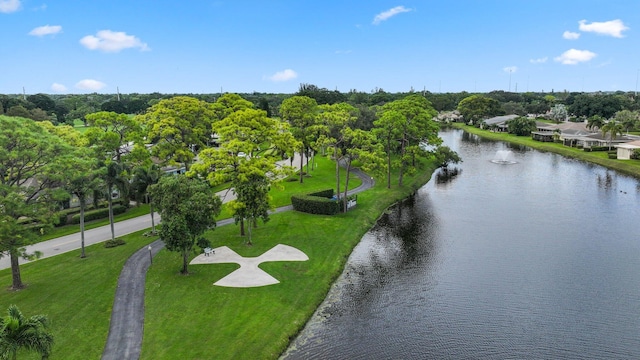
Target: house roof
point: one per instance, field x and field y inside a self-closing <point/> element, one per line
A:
<point x="499" y="119"/>
<point x="630" y="145"/>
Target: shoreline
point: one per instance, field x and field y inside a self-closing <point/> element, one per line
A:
<point x="627" y="167"/>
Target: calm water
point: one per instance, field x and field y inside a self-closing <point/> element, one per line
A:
<point x="535" y="260"/>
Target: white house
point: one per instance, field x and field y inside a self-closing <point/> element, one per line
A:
<point x="625" y="150"/>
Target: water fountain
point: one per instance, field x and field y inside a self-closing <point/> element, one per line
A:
<point x="503" y="157"/>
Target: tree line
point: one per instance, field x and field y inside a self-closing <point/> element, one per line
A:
<point x="228" y="141"/>
<point x="67" y="108"/>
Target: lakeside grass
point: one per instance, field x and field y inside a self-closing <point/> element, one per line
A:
<point x="629" y="167"/>
<point x="190" y="318"/>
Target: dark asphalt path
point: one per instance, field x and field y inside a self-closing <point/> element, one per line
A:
<point x="127" y="316"/>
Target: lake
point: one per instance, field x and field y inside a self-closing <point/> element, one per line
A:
<point x="539" y="259"/>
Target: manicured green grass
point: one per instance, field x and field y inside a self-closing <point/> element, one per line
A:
<point x="132" y="212"/>
<point x="321" y="178"/>
<point x="76" y="294"/>
<point x="629" y="167"/>
<point x="187" y="317"/>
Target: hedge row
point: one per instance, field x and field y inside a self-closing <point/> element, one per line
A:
<point x="321" y="203"/>
<point x="98" y="214"/>
<point x="65" y="216"/>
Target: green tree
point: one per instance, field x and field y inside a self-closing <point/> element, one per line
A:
<point x="114" y="176"/>
<point x="628" y="119"/>
<point x="113" y="135"/>
<point x="595" y="122"/>
<point x="388" y="129"/>
<point x="143" y="178"/>
<point x="613" y="128"/>
<point x="19" y="332"/>
<point x="362" y="146"/>
<point x="19" y="111"/>
<point x="30" y="173"/>
<point x="332" y="120"/>
<point x="178" y="127"/>
<point x="445" y="156"/>
<point x="250" y="145"/>
<point x="42" y="101"/>
<point x="559" y="113"/>
<point x="413" y="115"/>
<point x="521" y="126"/>
<point x="188" y="207"/>
<point x="478" y="107"/>
<point x="301" y="112"/>
<point x="82" y="180"/>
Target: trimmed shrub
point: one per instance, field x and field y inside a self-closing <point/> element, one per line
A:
<point x="98" y="214"/>
<point x="320" y="203"/>
<point x="114" y="243"/>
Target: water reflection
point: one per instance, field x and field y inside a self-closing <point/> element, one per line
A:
<point x="445" y="176"/>
<point x="539" y="260"/>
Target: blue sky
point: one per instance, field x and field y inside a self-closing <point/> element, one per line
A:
<point x="198" y="46"/>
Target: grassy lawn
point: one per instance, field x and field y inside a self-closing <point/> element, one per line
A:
<point x="187" y="317"/>
<point x="76" y="294"/>
<point x="321" y="178"/>
<point x="629" y="167"/>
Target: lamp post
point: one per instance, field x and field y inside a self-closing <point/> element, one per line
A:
<point x="150" y="256"/>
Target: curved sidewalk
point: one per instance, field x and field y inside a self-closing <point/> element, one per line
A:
<point x="127" y="317"/>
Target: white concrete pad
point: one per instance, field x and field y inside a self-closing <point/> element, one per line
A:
<point x="249" y="274"/>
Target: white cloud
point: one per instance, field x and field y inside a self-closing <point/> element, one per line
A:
<point x="539" y="60"/>
<point x="112" y="41"/>
<point x="510" y="69"/>
<point x="284" y="75"/>
<point x="385" y="15"/>
<point x="46" y="30"/>
<point x="9" y="6"/>
<point x="573" y="56"/>
<point x="90" y="84"/>
<point x="59" y="88"/>
<point x="612" y="28"/>
<point x="570" y="35"/>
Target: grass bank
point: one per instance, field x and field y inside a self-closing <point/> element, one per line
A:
<point x="629" y="167"/>
<point x="188" y="317"/>
<point x="76" y="294"/>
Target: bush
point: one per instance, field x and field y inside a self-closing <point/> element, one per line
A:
<point x="98" y="214"/>
<point x="596" y="148"/>
<point x="114" y="243"/>
<point x="321" y="203"/>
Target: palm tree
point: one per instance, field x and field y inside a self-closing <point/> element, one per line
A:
<point x="613" y="128"/>
<point x="82" y="185"/>
<point x="114" y="177"/>
<point x="143" y="178"/>
<point x="18" y="332"/>
<point x="596" y="121"/>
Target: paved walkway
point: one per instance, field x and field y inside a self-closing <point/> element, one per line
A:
<point x="127" y="317"/>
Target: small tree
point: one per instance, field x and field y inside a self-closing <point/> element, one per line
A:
<point x="143" y="179"/>
<point x="188" y="207"/>
<point x="559" y="113"/>
<point x="445" y="156"/>
<point x="18" y="332"/>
